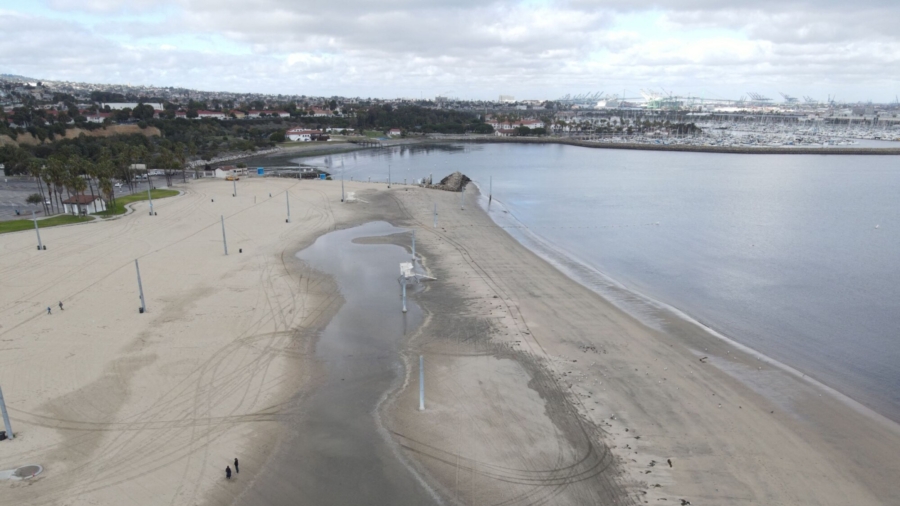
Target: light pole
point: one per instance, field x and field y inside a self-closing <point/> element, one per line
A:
<point x="38" y="232"/>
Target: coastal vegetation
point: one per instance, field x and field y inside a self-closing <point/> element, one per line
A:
<point x="26" y="224"/>
<point x="118" y="206"/>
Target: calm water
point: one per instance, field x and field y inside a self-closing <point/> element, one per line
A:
<point x="780" y="253"/>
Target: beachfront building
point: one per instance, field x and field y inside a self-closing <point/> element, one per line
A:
<point x="511" y="125"/>
<point x="395" y="132"/>
<point x="83" y="204"/>
<point x="300" y="134"/>
<point x="227" y="171"/>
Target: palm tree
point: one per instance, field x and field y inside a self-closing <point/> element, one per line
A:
<point x="36" y="168"/>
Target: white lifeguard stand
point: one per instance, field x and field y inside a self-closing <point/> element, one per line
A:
<point x="408" y="276"/>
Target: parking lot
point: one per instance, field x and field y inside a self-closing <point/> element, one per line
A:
<point x="15" y="189"/>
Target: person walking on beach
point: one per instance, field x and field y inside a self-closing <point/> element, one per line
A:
<point x="227" y="472"/>
<point x="236" y="470"/>
<point x="60" y="306"/>
<point x="48" y="309"/>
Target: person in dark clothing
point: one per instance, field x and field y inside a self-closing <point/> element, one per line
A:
<point x="236" y="470"/>
<point x="227" y="472"/>
<point x="48" y="309"/>
<point x="60" y="306"/>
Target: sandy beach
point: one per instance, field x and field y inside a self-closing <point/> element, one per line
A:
<point x="538" y="391"/>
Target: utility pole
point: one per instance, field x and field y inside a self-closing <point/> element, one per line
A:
<point x="140" y="287"/>
<point x="149" y="197"/>
<point x="234" y="181"/>
<point x="9" y="432"/>
<point x="462" y="198"/>
<point x="435" y="216"/>
<point x="414" y="244"/>
<point x="491" y="190"/>
<point x="38" y="232"/>
<point x="342" y="180"/>
<point x="224" y="242"/>
<point x="389" y="175"/>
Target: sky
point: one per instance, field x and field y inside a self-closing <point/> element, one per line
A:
<point x="470" y="49"/>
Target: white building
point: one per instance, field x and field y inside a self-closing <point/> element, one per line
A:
<point x="210" y="114"/>
<point x="299" y="134"/>
<point x="229" y="171"/>
<point x="83" y="204"/>
<point x="115" y="106"/>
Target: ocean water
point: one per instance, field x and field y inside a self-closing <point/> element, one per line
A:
<point x="795" y="256"/>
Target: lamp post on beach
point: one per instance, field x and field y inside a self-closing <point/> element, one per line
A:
<point x="421" y="383"/>
<point x="435" y="216"/>
<point x="414" y="244"/>
<point x="150" y="198"/>
<point x="224" y="241"/>
<point x="287" y="200"/>
<point x="389" y="175"/>
<point x="38" y="232"/>
<point x="140" y="287"/>
<point x="9" y="432"/>
<point x="342" y="180"/>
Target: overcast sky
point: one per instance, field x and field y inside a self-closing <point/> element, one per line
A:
<point x="464" y="48"/>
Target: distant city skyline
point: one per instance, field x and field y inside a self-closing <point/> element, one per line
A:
<point x="464" y="49"/>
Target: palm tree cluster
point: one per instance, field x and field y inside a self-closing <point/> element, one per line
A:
<point x="68" y="172"/>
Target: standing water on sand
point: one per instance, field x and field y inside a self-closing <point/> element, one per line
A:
<point x="338" y="453"/>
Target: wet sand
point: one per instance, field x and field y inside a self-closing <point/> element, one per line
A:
<point x="533" y="378"/>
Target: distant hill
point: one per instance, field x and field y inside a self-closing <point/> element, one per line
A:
<point x="13" y="77"/>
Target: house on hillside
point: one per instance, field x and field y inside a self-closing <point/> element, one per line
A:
<point x="210" y="114"/>
<point x="97" y="118"/>
<point x="83" y="204"/>
<point x="394" y="132"/>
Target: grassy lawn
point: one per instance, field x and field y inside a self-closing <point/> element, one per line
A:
<point x="121" y="202"/>
<point x="64" y="219"/>
<point x="373" y="134"/>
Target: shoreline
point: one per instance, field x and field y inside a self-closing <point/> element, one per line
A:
<point x="801" y="429"/>
<point x="604" y="286"/>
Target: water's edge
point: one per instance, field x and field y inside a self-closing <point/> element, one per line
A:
<point x="643" y="308"/>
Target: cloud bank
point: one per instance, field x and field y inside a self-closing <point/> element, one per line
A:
<point x="464" y="48"/>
